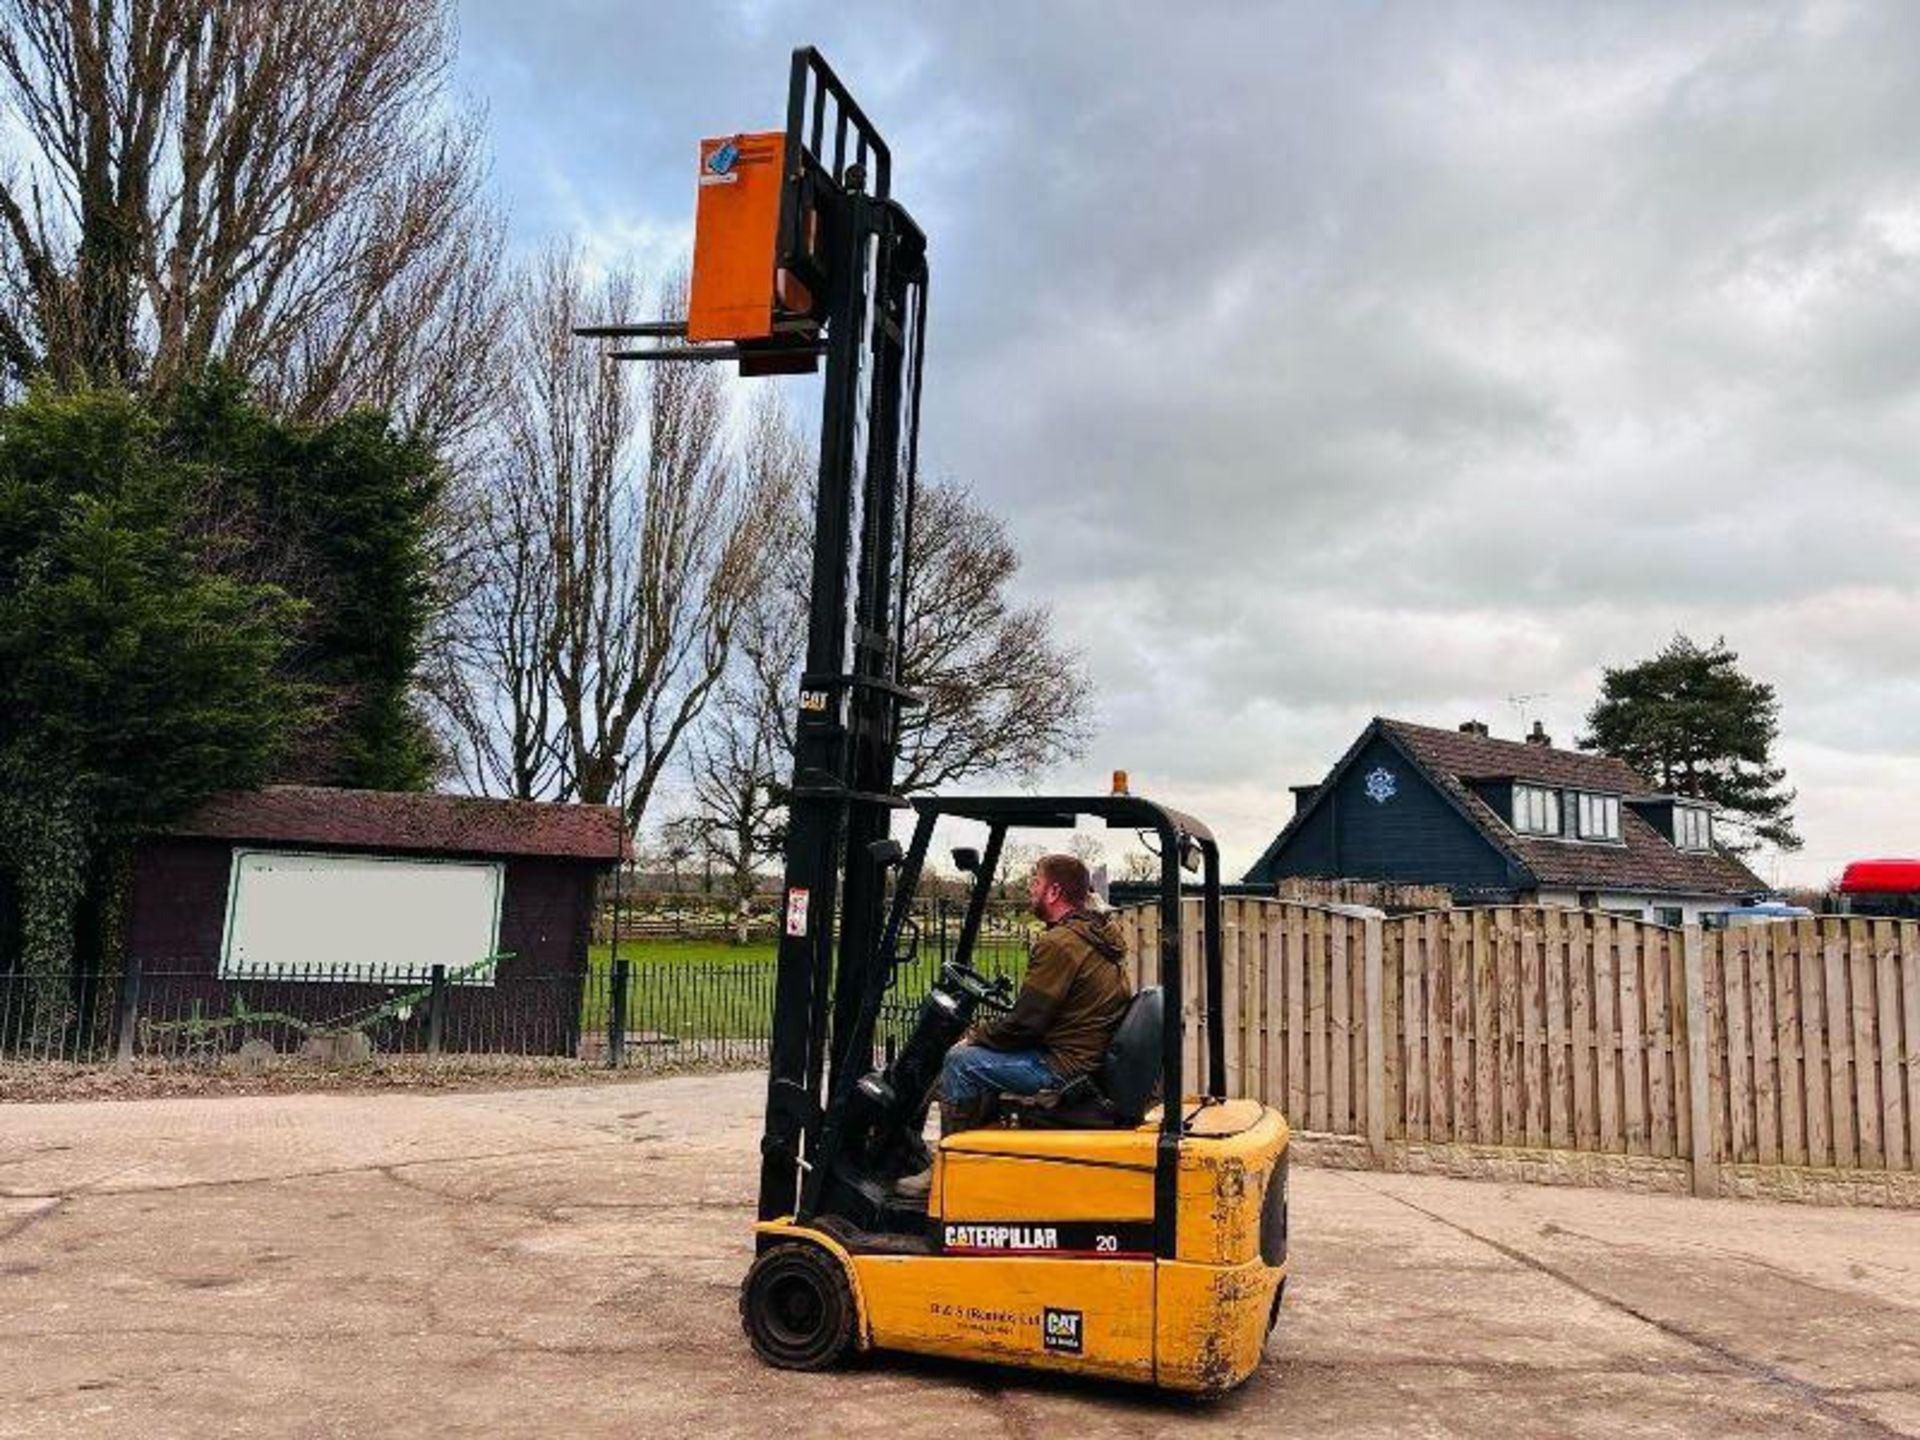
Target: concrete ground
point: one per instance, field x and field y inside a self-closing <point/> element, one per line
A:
<point x="566" y="1261"/>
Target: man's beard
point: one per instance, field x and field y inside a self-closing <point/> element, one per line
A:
<point x="1039" y="909"/>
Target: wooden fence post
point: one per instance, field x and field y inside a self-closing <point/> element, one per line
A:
<point x="1372" y="940"/>
<point x="1699" y="1062"/>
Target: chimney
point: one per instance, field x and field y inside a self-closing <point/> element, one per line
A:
<point x="1474" y="727"/>
<point x="1303" y="796"/>
<point x="1538" y="736"/>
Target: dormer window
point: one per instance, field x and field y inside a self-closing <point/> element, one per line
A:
<point x="1598" y="816"/>
<point x="1692" y="828"/>
<point x="1536" y="810"/>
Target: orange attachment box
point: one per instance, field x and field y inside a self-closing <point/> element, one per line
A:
<point x="736" y="223"/>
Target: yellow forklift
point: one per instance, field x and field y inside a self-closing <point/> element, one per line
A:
<point x="1091" y="1230"/>
<point x="1099" y="1229"/>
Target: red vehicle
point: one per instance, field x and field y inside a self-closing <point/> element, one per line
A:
<point x="1882" y="887"/>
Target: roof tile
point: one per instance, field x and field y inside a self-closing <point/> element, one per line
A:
<point x="1644" y="861"/>
<point x="410" y="822"/>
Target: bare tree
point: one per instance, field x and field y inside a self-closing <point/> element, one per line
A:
<point x="677" y="842"/>
<point x="1017" y="860"/>
<point x="567" y="420"/>
<point x="1088" y="850"/>
<point x="623" y="547"/>
<point x="743" y="753"/>
<point x="1001" y="694"/>
<point x="739" y="806"/>
<point x="489" y="666"/>
<point x="274" y="185"/>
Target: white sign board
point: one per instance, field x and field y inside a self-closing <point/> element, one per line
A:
<point x="295" y="914"/>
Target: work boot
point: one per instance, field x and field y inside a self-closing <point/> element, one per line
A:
<point x="954" y="1117"/>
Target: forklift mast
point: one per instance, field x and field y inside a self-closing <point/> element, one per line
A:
<point x="800" y="250"/>
<point x="873" y="295"/>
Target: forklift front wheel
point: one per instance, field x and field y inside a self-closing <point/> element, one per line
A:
<point x="797" y="1308"/>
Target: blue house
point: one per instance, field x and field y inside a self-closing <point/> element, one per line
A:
<point x="1506" y="822"/>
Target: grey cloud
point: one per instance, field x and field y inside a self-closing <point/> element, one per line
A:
<point x="1331" y="359"/>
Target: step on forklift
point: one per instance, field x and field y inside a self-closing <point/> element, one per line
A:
<point x="1120" y="1227"/>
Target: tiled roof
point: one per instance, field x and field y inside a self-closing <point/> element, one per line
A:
<point x="410" y="822"/>
<point x="1644" y="861"/>
<point x="1481" y="757"/>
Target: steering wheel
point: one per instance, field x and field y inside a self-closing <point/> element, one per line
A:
<point x="996" y="991"/>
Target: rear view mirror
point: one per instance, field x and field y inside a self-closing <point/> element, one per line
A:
<point x="1189" y="854"/>
<point x="966" y="860"/>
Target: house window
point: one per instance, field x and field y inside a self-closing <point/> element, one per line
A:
<point x="1536" y="811"/>
<point x="1670" y="915"/>
<point x="1599" y="817"/>
<point x="1692" y="828"/>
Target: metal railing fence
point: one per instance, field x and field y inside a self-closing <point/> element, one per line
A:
<point x="647" y="1006"/>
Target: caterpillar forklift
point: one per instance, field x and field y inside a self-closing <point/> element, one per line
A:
<point x="1119" y="1227"/>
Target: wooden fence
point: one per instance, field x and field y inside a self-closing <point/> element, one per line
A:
<point x="1788" y="1044"/>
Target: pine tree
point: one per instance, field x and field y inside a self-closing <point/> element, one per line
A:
<point x="1689" y="719"/>
<point x="336" y="513"/>
<point x="134" y="679"/>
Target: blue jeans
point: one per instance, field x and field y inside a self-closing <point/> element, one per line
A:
<point x="973" y="1070"/>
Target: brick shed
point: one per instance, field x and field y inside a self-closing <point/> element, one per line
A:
<point x="296" y="897"/>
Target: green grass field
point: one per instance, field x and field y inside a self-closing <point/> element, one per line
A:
<point x="682" y="952"/>
<point x="709" y="989"/>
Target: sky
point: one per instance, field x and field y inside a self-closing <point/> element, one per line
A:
<point x="1332" y="361"/>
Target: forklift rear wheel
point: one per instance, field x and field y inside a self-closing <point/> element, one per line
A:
<point x="797" y="1308"/>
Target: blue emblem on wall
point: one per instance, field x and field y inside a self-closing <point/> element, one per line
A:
<point x="723" y="158"/>
<point x="1380" y="785"/>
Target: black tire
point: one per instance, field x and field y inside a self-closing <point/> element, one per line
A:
<point x="797" y="1308"/>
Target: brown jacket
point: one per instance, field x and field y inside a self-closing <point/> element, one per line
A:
<point x="1075" y="993"/>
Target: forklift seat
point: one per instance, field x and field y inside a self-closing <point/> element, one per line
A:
<point x="1117" y="1095"/>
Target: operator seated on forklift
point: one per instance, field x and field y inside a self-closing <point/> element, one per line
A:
<point x="1073" y="999"/>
